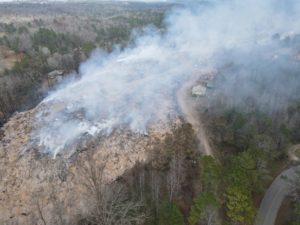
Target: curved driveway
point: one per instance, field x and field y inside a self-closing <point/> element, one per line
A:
<point x="274" y="197"/>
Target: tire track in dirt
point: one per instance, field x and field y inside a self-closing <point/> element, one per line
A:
<point x="188" y="106"/>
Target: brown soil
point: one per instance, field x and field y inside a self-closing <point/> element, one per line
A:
<point x="189" y="107"/>
<point x="8" y="58"/>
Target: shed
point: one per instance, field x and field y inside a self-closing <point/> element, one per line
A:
<point x="199" y="91"/>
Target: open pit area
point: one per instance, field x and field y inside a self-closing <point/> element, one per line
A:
<point x="28" y="176"/>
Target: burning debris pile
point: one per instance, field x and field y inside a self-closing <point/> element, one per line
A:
<point x="125" y="101"/>
<point x="72" y="134"/>
<point x="138" y="86"/>
<point x="64" y="130"/>
<point x="29" y="176"/>
<point x="125" y="93"/>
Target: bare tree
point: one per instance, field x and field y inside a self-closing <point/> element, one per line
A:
<point x="109" y="203"/>
<point x="54" y="61"/>
<point x="175" y="176"/>
<point x="155" y="188"/>
<point x="210" y="216"/>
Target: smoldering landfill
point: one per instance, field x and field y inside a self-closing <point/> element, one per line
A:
<point x="137" y="86"/>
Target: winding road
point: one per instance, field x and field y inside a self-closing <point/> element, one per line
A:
<point x="279" y="188"/>
<point x="274" y="197"/>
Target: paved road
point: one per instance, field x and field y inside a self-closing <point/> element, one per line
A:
<point x="274" y="197"/>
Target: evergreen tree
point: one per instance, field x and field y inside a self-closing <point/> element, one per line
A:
<point x="170" y="214"/>
<point x="205" y="208"/>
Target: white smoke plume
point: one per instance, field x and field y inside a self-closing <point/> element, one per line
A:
<point x="137" y="86"/>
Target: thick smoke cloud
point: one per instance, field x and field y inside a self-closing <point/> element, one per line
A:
<point x="261" y="79"/>
<point x="136" y="87"/>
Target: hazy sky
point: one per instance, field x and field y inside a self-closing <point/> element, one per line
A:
<point x="84" y="0"/>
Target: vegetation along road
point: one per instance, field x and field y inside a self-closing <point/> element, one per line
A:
<point x="274" y="197"/>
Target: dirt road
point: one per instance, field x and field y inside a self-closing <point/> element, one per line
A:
<point x="188" y="107"/>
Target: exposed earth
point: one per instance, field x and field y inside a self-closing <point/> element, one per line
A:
<point x="26" y="173"/>
<point x="8" y="58"/>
